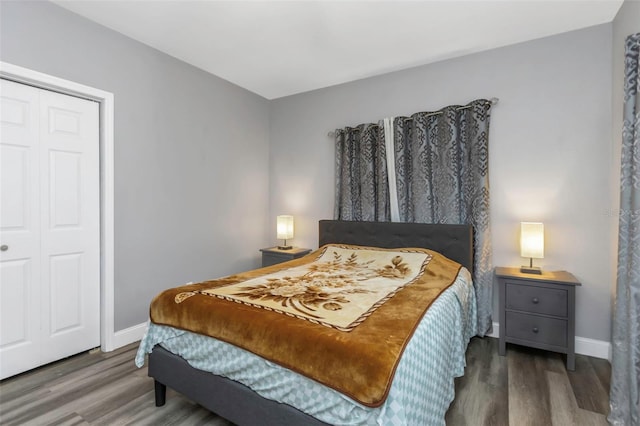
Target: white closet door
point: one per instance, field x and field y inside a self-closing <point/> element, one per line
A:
<point x="19" y="227"/>
<point x="50" y="226"/>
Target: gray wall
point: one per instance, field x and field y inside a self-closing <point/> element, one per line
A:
<point x="197" y="157"/>
<point x="191" y="150"/>
<point x="549" y="156"/>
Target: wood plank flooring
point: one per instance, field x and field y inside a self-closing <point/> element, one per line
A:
<point x="527" y="387"/>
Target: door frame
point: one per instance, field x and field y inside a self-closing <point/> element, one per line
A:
<point x="105" y="99"/>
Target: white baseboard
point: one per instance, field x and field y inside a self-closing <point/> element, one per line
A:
<point x="584" y="345"/>
<point x="495" y="332"/>
<point x="593" y="347"/>
<point x="129" y="335"/>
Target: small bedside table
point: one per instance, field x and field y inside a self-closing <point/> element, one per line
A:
<point x="273" y="255"/>
<point x="538" y="311"/>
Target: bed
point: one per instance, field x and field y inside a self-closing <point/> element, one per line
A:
<point x="287" y="398"/>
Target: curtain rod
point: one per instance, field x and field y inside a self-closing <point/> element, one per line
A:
<point x="492" y="101"/>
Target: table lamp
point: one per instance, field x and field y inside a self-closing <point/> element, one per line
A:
<point x="531" y="245"/>
<point x="284" y="230"/>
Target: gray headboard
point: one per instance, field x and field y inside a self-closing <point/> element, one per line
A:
<point x="453" y="241"/>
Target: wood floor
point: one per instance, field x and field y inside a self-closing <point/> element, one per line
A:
<point x="527" y="387"/>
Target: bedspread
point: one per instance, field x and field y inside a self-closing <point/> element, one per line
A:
<point x="420" y="394"/>
<point x="355" y="353"/>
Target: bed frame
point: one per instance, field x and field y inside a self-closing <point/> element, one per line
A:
<point x="241" y="405"/>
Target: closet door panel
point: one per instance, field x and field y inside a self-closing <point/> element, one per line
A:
<point x="70" y="223"/>
<point x="20" y="268"/>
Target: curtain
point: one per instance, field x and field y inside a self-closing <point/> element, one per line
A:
<point x="437" y="168"/>
<point x="442" y="176"/>
<point x="361" y="191"/>
<point x="625" y="363"/>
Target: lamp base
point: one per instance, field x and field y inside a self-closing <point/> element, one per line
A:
<point x="531" y="270"/>
<point x="285" y="247"/>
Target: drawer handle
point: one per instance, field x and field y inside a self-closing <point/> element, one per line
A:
<point x="535" y="300"/>
<point x="535" y="329"/>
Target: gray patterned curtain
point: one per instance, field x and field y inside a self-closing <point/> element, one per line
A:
<point x="361" y="174"/>
<point x="625" y="363"/>
<point x="442" y="176"/>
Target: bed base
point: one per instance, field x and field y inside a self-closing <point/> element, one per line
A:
<point x="240" y="404"/>
<point x="227" y="398"/>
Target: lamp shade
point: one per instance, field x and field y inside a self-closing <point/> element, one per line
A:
<point x="284" y="227"/>
<point x="532" y="240"/>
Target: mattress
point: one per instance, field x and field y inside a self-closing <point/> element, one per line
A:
<point x="420" y="394"/>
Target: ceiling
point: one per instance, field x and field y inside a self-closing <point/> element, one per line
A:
<point x="280" y="48"/>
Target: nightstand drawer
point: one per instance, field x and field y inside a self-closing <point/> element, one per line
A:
<point x="548" y="301"/>
<point x="269" y="259"/>
<point x="537" y="329"/>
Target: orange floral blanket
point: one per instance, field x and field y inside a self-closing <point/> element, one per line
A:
<point x="339" y="289"/>
<point x="341" y="315"/>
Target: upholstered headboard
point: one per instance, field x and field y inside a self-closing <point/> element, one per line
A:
<point x="453" y="241"/>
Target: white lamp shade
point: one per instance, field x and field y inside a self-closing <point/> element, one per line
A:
<point x="285" y="227"/>
<point x="532" y="240"/>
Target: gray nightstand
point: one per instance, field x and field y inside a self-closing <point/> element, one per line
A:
<point x="538" y="311"/>
<point x="273" y="255"/>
